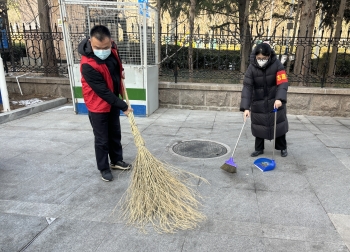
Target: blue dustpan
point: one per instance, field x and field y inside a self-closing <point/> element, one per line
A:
<point x="266" y="164"/>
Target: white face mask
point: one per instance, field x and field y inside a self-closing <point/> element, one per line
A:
<point x="102" y="54"/>
<point x="262" y="62"/>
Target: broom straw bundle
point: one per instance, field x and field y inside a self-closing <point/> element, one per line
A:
<point x="159" y="194"/>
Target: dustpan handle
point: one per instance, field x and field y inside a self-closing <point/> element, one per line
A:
<point x="274" y="134"/>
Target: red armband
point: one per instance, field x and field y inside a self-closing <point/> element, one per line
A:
<point x="281" y="77"/>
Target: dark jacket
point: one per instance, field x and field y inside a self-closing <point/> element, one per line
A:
<point x="260" y="90"/>
<point x="101" y="79"/>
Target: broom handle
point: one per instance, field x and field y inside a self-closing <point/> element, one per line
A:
<point x="125" y="93"/>
<point x="238" y="138"/>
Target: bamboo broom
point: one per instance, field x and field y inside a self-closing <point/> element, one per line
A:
<point x="158" y="194"/>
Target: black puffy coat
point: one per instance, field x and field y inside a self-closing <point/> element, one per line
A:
<point x="260" y="90"/>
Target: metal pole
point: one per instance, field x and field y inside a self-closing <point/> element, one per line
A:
<point x="69" y="53"/>
<point x="156" y="39"/>
<point x="175" y="70"/>
<point x="145" y="61"/>
<point x="3" y="88"/>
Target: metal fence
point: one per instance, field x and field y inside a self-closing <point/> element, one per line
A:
<point x="26" y="49"/>
<point x="216" y="54"/>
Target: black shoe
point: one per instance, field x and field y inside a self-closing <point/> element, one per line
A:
<point x="120" y="165"/>
<point x="257" y="153"/>
<point x="284" y="153"/>
<point x="106" y="175"/>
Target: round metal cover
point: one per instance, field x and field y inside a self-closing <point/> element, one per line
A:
<point x="199" y="149"/>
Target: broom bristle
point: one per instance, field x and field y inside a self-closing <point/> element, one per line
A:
<point x="159" y="193"/>
<point x="229" y="168"/>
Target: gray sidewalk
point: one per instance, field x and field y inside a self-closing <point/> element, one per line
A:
<point x="52" y="197"/>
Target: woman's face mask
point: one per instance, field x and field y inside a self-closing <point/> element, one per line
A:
<point x="262" y="63"/>
<point x="262" y="60"/>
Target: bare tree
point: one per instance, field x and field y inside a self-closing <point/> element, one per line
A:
<point x="27" y="9"/>
<point x="245" y="33"/>
<point x="290" y="51"/>
<point x="240" y="17"/>
<point x="190" y="48"/>
<point x="304" y="44"/>
<point x="338" y="28"/>
<point x="48" y="54"/>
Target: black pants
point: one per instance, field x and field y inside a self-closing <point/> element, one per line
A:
<point x="106" y="128"/>
<point x="281" y="143"/>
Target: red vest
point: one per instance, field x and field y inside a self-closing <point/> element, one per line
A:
<point x="93" y="102"/>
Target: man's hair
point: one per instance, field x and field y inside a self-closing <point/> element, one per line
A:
<point x="100" y="32"/>
<point x="264" y="49"/>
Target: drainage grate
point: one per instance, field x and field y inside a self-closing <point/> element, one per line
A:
<point x="199" y="149"/>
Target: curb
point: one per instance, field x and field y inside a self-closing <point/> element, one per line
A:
<point x="35" y="108"/>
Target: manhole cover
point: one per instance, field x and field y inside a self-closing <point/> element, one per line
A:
<point x="199" y="149"/>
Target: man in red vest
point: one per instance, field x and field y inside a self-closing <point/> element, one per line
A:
<point x="102" y="73"/>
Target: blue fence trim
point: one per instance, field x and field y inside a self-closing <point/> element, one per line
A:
<point x="139" y="110"/>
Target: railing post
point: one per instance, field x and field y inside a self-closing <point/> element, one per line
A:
<point x="175" y="69"/>
<point x="323" y="80"/>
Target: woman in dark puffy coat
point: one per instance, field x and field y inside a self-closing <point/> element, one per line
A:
<point x="265" y="88"/>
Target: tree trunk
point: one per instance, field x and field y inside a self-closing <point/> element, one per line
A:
<point x="337" y="35"/>
<point x="304" y="45"/>
<point x="245" y="35"/>
<point x="190" y="48"/>
<point x="48" y="50"/>
<point x="291" y="47"/>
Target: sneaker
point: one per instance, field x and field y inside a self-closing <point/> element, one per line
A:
<point x="120" y="165"/>
<point x="106" y="175"/>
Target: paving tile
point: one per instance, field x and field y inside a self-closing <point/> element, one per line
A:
<point x="28" y="208"/>
<point x="20" y="230"/>
<point x="232" y="227"/>
<point x="230" y="204"/>
<point x="281" y="181"/>
<point x="222" y="242"/>
<point x="130" y="239"/>
<point x="69" y="235"/>
<point x="343" y="121"/>
<point x="326" y="247"/>
<point x="280" y="245"/>
<point x="333" y="128"/>
<point x="292" y="209"/>
<point x="300" y="233"/>
<point x="342" y="224"/>
<point x="157" y="130"/>
<point x="49" y="187"/>
<point x="99" y="193"/>
<point x="323" y="120"/>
